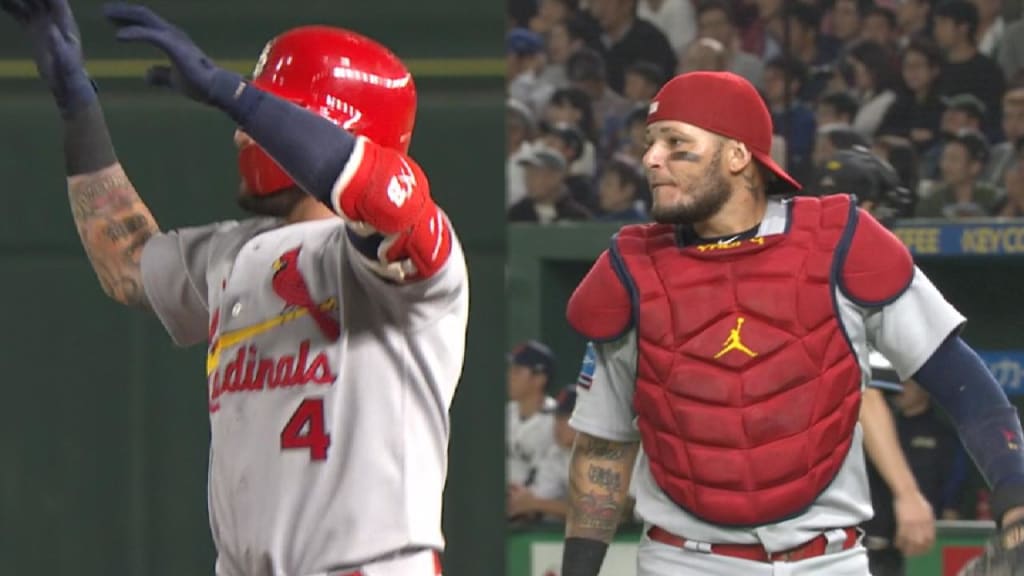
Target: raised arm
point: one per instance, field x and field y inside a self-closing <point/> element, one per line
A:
<point x="379" y="189"/>
<point x="112" y="221"/>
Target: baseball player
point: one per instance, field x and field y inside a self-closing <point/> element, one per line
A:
<point x="335" y="318"/>
<point x="529" y="413"/>
<point x="731" y="342"/>
<point x="930" y="450"/>
<point x="546" y="497"/>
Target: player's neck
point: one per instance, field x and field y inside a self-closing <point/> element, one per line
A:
<point x="743" y="211"/>
<point x="309" y="209"/>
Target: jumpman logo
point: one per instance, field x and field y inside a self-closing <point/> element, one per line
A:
<point x="733" y="342"/>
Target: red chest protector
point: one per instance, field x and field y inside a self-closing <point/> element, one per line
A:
<point x="747" y="389"/>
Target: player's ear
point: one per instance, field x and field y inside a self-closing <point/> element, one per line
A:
<point x="736" y="156"/>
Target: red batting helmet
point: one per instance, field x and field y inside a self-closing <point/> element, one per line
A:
<point x="354" y="81"/>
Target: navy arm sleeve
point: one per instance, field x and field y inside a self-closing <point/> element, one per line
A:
<point x="988" y="424"/>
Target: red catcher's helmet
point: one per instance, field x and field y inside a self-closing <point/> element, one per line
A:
<point x="354" y="81"/>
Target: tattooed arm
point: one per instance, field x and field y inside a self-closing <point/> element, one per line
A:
<point x="599" y="476"/>
<point x="114" y="224"/>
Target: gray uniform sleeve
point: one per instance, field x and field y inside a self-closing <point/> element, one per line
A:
<point x="908" y="330"/>
<point x="605" y="408"/>
<point x="174" y="266"/>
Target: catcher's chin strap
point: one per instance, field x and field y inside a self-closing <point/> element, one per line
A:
<point x="988" y="424"/>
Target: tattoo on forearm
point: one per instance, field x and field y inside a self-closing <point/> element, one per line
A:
<point x="604" y="477"/>
<point x="597" y="512"/>
<point x="114" y="225"/>
<point x="602" y="449"/>
<point x="120" y="229"/>
<point x="95" y="194"/>
<point x="598" y="486"/>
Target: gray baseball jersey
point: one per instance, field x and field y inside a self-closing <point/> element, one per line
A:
<point x="329" y="389"/>
<point x="526" y="440"/>
<point x="907" y="331"/>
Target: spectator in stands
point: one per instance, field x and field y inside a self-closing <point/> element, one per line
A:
<point x="1013" y="181"/>
<point x="547" y="197"/>
<point x="915" y="19"/>
<point x="762" y="36"/>
<point x="587" y="72"/>
<point x="961" y="112"/>
<point x="643" y="80"/>
<point x="916" y="114"/>
<point x="634" y="139"/>
<point x="570" y="142"/>
<point x="564" y="39"/>
<point x="959" y="193"/>
<point x="815" y="51"/>
<point x="1011" y="52"/>
<point x="1004" y="154"/>
<point x="991" y="26"/>
<point x="572" y="105"/>
<point x="525" y="58"/>
<point x="529" y="422"/>
<point x="840" y="77"/>
<point x="619" y="192"/>
<point x="935" y="456"/>
<point x="880" y="26"/>
<point x="548" y="497"/>
<point x="874" y="83"/>
<point x="675" y="19"/>
<point x="847" y="20"/>
<point x="835" y="108"/>
<point x="901" y="155"/>
<point x="626" y="39"/>
<point x="705" y="54"/>
<point x="791" y="118"/>
<point x="550" y="13"/>
<point x="832" y="138"/>
<point x="966" y="70"/>
<point x="520" y="130"/>
<point x="715" y="20"/>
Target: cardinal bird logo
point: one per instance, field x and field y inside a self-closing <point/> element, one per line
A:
<point x="291" y="287"/>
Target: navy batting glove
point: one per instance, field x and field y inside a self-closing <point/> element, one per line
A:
<point x="192" y="72"/>
<point x="56" y="49"/>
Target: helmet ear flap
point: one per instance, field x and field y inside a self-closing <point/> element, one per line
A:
<point x="260" y="173"/>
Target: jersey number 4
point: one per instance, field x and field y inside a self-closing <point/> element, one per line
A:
<point x="306" y="429"/>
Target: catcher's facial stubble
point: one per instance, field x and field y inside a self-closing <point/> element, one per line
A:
<point x="701" y="193"/>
